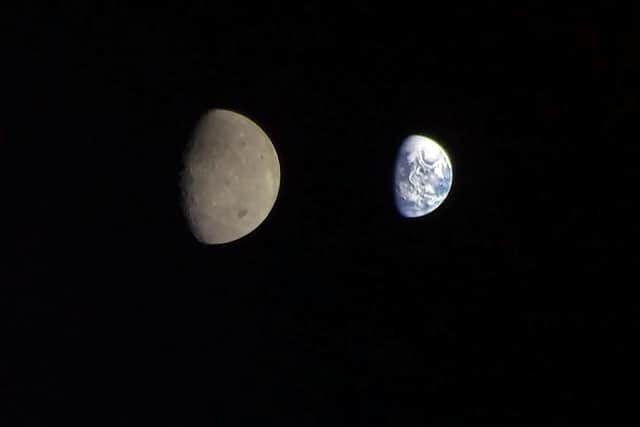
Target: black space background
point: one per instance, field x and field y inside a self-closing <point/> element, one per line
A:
<point x="512" y="305"/>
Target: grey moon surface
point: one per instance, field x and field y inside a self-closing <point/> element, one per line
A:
<point x="231" y="177"/>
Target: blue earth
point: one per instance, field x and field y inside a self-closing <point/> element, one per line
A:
<point x="423" y="176"/>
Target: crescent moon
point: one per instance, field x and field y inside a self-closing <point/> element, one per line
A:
<point x="231" y="177"/>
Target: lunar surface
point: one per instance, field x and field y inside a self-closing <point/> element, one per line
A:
<point x="231" y="177"/>
<point x="423" y="176"/>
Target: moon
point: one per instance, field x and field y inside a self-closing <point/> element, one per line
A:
<point x="423" y="176"/>
<point x="231" y="177"/>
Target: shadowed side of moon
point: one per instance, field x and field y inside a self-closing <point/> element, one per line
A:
<point x="231" y="177"/>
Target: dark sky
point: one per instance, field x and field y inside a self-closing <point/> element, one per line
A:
<point x="512" y="304"/>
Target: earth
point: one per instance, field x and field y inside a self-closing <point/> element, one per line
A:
<point x="423" y="176"/>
